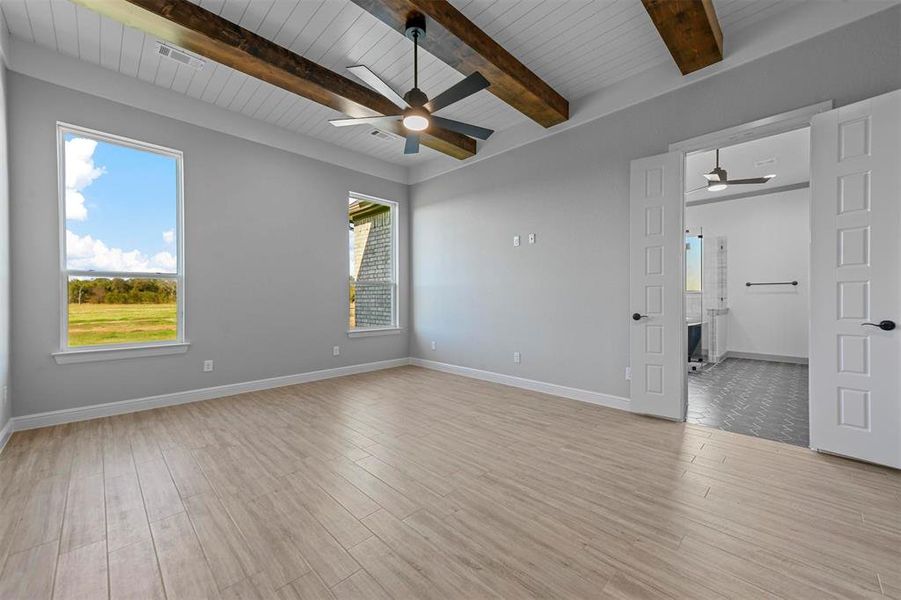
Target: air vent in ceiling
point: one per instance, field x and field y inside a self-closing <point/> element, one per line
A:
<point x="382" y="135"/>
<point x="765" y="162"/>
<point x="180" y="56"/>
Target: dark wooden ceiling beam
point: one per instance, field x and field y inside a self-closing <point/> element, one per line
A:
<point x="456" y="41"/>
<point x="209" y="35"/>
<point x="690" y="30"/>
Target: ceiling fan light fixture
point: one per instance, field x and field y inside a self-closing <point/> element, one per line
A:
<point x="416" y="120"/>
<point x="717" y="187"/>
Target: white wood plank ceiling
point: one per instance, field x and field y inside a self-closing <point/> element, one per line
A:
<point x="578" y="46"/>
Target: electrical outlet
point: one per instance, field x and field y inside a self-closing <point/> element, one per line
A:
<point x="517" y="358"/>
<point x="516" y="241"/>
<point x="628" y="373"/>
<point x="207" y="366"/>
<point x="336" y="351"/>
<point x="434" y="345"/>
<point x="531" y="238"/>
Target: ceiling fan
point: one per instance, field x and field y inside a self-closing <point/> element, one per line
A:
<point x="718" y="180"/>
<point x="418" y="114"/>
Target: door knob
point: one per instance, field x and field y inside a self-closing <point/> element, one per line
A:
<point x="885" y="325"/>
<point x="638" y="317"/>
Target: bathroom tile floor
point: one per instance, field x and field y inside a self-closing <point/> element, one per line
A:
<point x="754" y="397"/>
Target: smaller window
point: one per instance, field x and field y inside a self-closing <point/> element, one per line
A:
<point x="694" y="261"/>
<point x="121" y="274"/>
<point x="372" y="248"/>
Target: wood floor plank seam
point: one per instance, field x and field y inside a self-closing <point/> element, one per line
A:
<point x="156" y="556"/>
<point x="103" y="469"/>
<point x="55" y="568"/>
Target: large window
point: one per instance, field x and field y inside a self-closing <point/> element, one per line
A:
<point x="121" y="280"/>
<point x="373" y="263"/>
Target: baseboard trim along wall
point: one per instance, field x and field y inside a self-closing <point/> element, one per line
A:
<point x="797" y="360"/>
<point x="553" y="389"/>
<point x="84" y="413"/>
<point x="5" y="433"/>
<point x="96" y="411"/>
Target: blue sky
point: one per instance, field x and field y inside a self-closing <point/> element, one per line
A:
<point x="120" y="207"/>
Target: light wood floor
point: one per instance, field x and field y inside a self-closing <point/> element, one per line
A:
<point x="409" y="483"/>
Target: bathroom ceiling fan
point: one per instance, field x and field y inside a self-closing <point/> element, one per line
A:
<point x="718" y="179"/>
<point x="418" y="114"/>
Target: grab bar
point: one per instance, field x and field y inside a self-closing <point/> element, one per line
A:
<point x="749" y="284"/>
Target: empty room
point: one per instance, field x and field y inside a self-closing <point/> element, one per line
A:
<point x="444" y="299"/>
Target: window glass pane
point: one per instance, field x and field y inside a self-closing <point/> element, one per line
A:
<point x="373" y="305"/>
<point x="371" y="254"/>
<point x="693" y="249"/>
<point x="120" y="207"/>
<point x="121" y="311"/>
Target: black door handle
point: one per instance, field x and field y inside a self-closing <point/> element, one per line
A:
<point x="885" y="325"/>
<point x="638" y="317"/>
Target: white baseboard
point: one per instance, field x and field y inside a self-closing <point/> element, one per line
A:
<point x="581" y="395"/>
<point x="5" y="434"/>
<point x="798" y="360"/>
<point x="95" y="411"/>
<point x="83" y="413"/>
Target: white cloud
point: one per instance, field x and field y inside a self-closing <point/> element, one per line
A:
<point x="80" y="173"/>
<point x="163" y="261"/>
<point x="87" y="253"/>
<point x="169" y="236"/>
<point x="75" y="208"/>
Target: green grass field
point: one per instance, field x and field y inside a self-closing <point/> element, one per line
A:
<point x="96" y="324"/>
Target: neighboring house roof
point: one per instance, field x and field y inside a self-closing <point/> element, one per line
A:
<point x="362" y="208"/>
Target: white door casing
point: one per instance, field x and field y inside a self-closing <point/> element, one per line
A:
<point x="657" y="261"/>
<point x="855" y="369"/>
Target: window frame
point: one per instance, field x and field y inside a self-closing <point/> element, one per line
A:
<point x="395" y="327"/>
<point x="179" y="345"/>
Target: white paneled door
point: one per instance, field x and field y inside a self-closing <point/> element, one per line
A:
<point x="657" y="338"/>
<point x="855" y="348"/>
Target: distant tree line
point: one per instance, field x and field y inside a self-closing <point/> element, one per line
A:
<point x="122" y="291"/>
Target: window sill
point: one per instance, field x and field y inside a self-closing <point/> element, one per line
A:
<point x="102" y="354"/>
<point x="357" y="333"/>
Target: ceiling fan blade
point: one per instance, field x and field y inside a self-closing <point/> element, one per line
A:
<point x="412" y="145"/>
<point x="465" y="128"/>
<point x="366" y="75"/>
<point x="753" y="180"/>
<point x="697" y="189"/>
<point x="364" y="121"/>
<point x="469" y="86"/>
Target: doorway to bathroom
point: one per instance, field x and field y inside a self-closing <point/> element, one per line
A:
<point x="746" y="296"/>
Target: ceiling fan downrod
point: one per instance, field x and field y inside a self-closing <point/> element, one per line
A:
<point x="415" y="30"/>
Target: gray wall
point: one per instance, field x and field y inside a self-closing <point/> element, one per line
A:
<point x="563" y="302"/>
<point x="5" y="405"/>
<point x="265" y="258"/>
